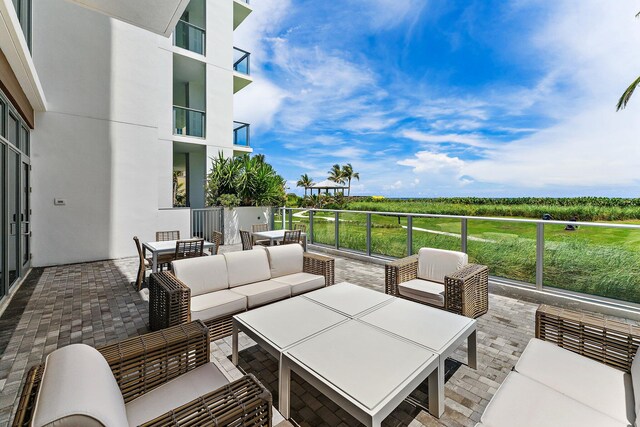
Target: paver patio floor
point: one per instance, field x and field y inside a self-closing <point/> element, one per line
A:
<point x="94" y="303"/>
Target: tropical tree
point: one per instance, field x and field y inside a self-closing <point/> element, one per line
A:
<point x="626" y="96"/>
<point x="348" y="174"/>
<point x="335" y="174"/>
<point x="305" y="182"/>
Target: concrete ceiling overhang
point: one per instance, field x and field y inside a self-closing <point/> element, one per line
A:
<point x="157" y="16"/>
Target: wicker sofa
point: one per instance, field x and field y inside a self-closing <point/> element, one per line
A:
<point x="580" y="370"/>
<point x="442" y="279"/>
<point x="215" y="288"/>
<point x="159" y="379"/>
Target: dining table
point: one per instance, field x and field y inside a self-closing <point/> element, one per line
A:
<point x="165" y="247"/>
<point x="275" y="236"/>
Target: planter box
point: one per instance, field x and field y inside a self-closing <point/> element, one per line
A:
<point x="242" y="218"/>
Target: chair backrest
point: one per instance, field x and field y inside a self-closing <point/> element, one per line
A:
<point x="216" y="239"/>
<point x="163" y="236"/>
<point x="141" y="267"/>
<point x="435" y="264"/>
<point x="247" y="241"/>
<point x="291" y="236"/>
<point x="301" y="227"/>
<point x="189" y="248"/>
<point x="259" y="227"/>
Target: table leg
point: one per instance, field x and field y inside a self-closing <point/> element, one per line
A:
<point x="436" y="390"/>
<point x="234" y="345"/>
<point x="284" y="383"/>
<point x="154" y="262"/>
<point x="472" y="350"/>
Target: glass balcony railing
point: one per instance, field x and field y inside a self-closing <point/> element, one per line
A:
<point x="190" y="37"/>
<point x="241" y="134"/>
<point x="241" y="61"/>
<point x="188" y="122"/>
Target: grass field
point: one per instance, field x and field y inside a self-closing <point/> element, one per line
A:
<point x="592" y="260"/>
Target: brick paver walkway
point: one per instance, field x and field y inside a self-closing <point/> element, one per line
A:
<point x="94" y="303"/>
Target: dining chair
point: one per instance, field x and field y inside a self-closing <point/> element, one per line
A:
<point x="189" y="248"/>
<point x="247" y="240"/>
<point x="143" y="265"/>
<point x="257" y="228"/>
<point x="301" y="227"/>
<point x="163" y="236"/>
<point x="216" y="238"/>
<point x="291" y="236"/>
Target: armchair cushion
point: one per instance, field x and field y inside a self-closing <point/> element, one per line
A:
<point x="597" y="385"/>
<point x="217" y="304"/>
<point x="171" y="395"/>
<point x="434" y="264"/>
<point x="285" y="259"/>
<point x="202" y="274"/>
<point x="247" y="267"/>
<point x="78" y="388"/>
<point x="423" y="290"/>
<point x="301" y="282"/>
<point x="263" y="292"/>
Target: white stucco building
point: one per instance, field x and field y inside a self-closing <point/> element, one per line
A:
<point x="110" y="100"/>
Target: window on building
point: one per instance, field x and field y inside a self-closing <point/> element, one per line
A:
<point x="23" y="10"/>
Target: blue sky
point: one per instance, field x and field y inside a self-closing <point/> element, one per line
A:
<point x="434" y="98"/>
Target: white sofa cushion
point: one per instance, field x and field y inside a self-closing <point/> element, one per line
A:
<point x="263" y="292"/>
<point x="202" y="274"/>
<point x="177" y="392"/>
<point x="285" y="259"/>
<point x="423" y="290"/>
<point x="246" y="267"/>
<point x="217" y="304"/>
<point x="78" y="388"/>
<point x="598" y="386"/>
<point x="301" y="282"/>
<point x="523" y="402"/>
<point x="434" y="264"/>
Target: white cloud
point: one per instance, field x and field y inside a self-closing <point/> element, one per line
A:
<point x="452" y="138"/>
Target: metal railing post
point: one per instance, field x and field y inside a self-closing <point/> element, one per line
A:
<point x="336" y="230"/>
<point x="290" y="219"/>
<point x="409" y="235"/>
<point x="284" y="212"/>
<point x="539" y="255"/>
<point x="272" y="224"/>
<point x="368" y="235"/>
<point x="311" y="227"/>
<point x="222" y="224"/>
<point x="463" y="235"/>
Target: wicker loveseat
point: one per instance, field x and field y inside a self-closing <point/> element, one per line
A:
<point x="159" y="379"/>
<point x="215" y="288"/>
<point x="442" y="279"/>
<point x="580" y="370"/>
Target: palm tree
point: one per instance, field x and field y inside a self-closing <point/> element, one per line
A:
<point x="349" y="174"/>
<point x="305" y="182"/>
<point x="626" y="96"/>
<point x="335" y="174"/>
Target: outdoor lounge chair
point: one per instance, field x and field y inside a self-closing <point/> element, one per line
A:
<point x="442" y="279"/>
<point x="162" y="378"/>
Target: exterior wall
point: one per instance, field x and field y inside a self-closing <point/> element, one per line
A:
<point x="242" y="218"/>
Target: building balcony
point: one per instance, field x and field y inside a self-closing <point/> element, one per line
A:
<point x="188" y="122"/>
<point x="241" y="9"/>
<point x="241" y="70"/>
<point x="241" y="134"/>
<point x="190" y="37"/>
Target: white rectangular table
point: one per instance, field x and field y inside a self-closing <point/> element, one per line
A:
<point x="275" y="236"/>
<point x="366" y="371"/>
<point x="348" y="299"/>
<point x="438" y="330"/>
<point x="165" y="247"/>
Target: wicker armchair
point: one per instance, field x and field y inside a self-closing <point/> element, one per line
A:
<point x="170" y="299"/>
<point x="142" y="364"/>
<point x="466" y="291"/>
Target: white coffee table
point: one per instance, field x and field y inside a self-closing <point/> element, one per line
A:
<point x="438" y="330"/>
<point x="348" y="299"/>
<point x="365" y="370"/>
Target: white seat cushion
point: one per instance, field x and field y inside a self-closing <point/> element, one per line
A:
<point x="263" y="292"/>
<point x="217" y="304"/>
<point x="523" y="402"/>
<point x="78" y="388"/>
<point x="434" y="264"/>
<point x="246" y="267"/>
<point x="423" y="290"/>
<point x="202" y="274"/>
<point x="598" y="386"/>
<point x="285" y="259"/>
<point x="302" y="282"/>
<point x="202" y="380"/>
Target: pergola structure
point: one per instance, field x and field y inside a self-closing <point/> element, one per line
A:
<point x="327" y="185"/>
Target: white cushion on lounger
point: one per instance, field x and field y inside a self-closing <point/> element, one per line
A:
<point x="246" y="267"/>
<point x="434" y="264"/>
<point x="202" y="274"/>
<point x="217" y="304"/>
<point x="423" y="290"/>
<point x="263" y="292"/>
<point x="285" y="259"/>
<point x="302" y="282"/>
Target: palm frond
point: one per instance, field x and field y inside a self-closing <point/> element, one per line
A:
<point x="624" y="99"/>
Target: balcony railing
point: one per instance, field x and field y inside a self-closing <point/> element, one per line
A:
<point x="588" y="260"/>
<point x="241" y="61"/>
<point x="190" y="37"/>
<point x="188" y="121"/>
<point x="241" y="134"/>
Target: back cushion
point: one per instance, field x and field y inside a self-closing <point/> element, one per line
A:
<point x="202" y="274"/>
<point x="285" y="259"/>
<point x="635" y="380"/>
<point x="434" y="264"/>
<point x="244" y="267"/>
<point x="78" y="388"/>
